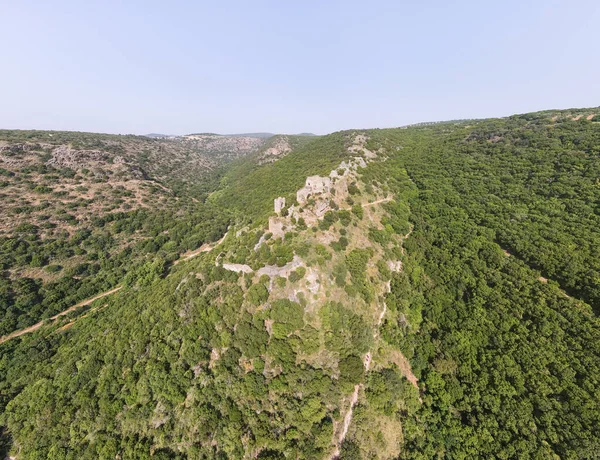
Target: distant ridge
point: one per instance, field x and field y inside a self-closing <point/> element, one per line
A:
<point x="159" y="136"/>
<point x="254" y="135"/>
<point x="259" y="135"/>
<point x="265" y="135"/>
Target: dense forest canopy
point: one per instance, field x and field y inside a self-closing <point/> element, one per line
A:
<point x="435" y="295"/>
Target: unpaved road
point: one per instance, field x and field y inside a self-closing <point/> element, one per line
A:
<point x="365" y="205"/>
<point x="36" y="326"/>
<point x="354" y="399"/>
<point x="383" y="200"/>
<point x="368" y="359"/>
<point x="204" y="248"/>
<point x="347" y="420"/>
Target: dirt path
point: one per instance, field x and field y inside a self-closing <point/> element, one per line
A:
<point x="403" y="363"/>
<point x="412" y="227"/>
<point x="365" y="205"/>
<point x="367" y="363"/>
<point x="204" y="248"/>
<point x="354" y="398"/>
<point x="86" y="302"/>
<point x="74" y="320"/>
<point x="382" y="200"/>
<point x="347" y="420"/>
<point x="36" y="326"/>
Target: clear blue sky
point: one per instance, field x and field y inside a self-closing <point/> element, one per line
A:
<point x="290" y="66"/>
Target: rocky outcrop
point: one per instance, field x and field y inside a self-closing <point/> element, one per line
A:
<point x="66" y="157"/>
<point x="395" y="265"/>
<point x="214" y="142"/>
<point x="278" y="147"/>
<point x="238" y="268"/>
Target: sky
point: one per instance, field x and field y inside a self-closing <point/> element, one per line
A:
<point x="316" y="66"/>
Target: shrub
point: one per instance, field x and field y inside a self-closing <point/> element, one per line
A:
<point x="357" y="210"/>
<point x="257" y="294"/>
<point x="297" y="274"/>
<point x="280" y="281"/>
<point x="340" y="245"/>
<point x="287" y="316"/>
<point x="352" y="371"/>
<point x="53" y="268"/>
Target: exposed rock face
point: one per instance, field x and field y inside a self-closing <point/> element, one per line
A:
<point x="361" y="162"/>
<point x="314" y="185"/>
<point x="279" y="204"/>
<point x="214" y="142"/>
<point x="279" y="147"/>
<point x="395" y="265"/>
<point x="313" y="283"/>
<point x="260" y="243"/>
<point x="64" y="156"/>
<point x="16" y="147"/>
<point x="239" y="268"/>
<point x="359" y="147"/>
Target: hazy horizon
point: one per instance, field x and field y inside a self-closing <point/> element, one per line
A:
<point x="146" y="67"/>
<point x="291" y="133"/>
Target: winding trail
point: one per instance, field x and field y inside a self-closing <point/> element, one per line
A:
<point x="382" y="200"/>
<point x="186" y="256"/>
<point x="365" y="205"/>
<point x="368" y="359"/>
<point x="354" y="399"/>
<point x="204" y="248"/>
<point x="36" y="326"/>
<point x="347" y="420"/>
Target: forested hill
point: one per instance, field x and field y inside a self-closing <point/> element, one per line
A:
<point x="422" y="292"/>
<point x="80" y="210"/>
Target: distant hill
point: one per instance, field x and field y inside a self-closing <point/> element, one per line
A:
<point x="266" y="135"/>
<point x="258" y="135"/>
<point x="160" y="136"/>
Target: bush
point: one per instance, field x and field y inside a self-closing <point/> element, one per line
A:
<point x="280" y="281"/>
<point x="53" y="268"/>
<point x="297" y="274"/>
<point x="257" y="294"/>
<point x="339" y="273"/>
<point x="357" y="210"/>
<point x="328" y="220"/>
<point x="340" y="245"/>
<point x="288" y="316"/>
<point x="352" y="371"/>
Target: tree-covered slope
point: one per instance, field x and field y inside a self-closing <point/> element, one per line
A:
<point x="508" y="358"/>
<point x="429" y="292"/>
<point x="83" y="209"/>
